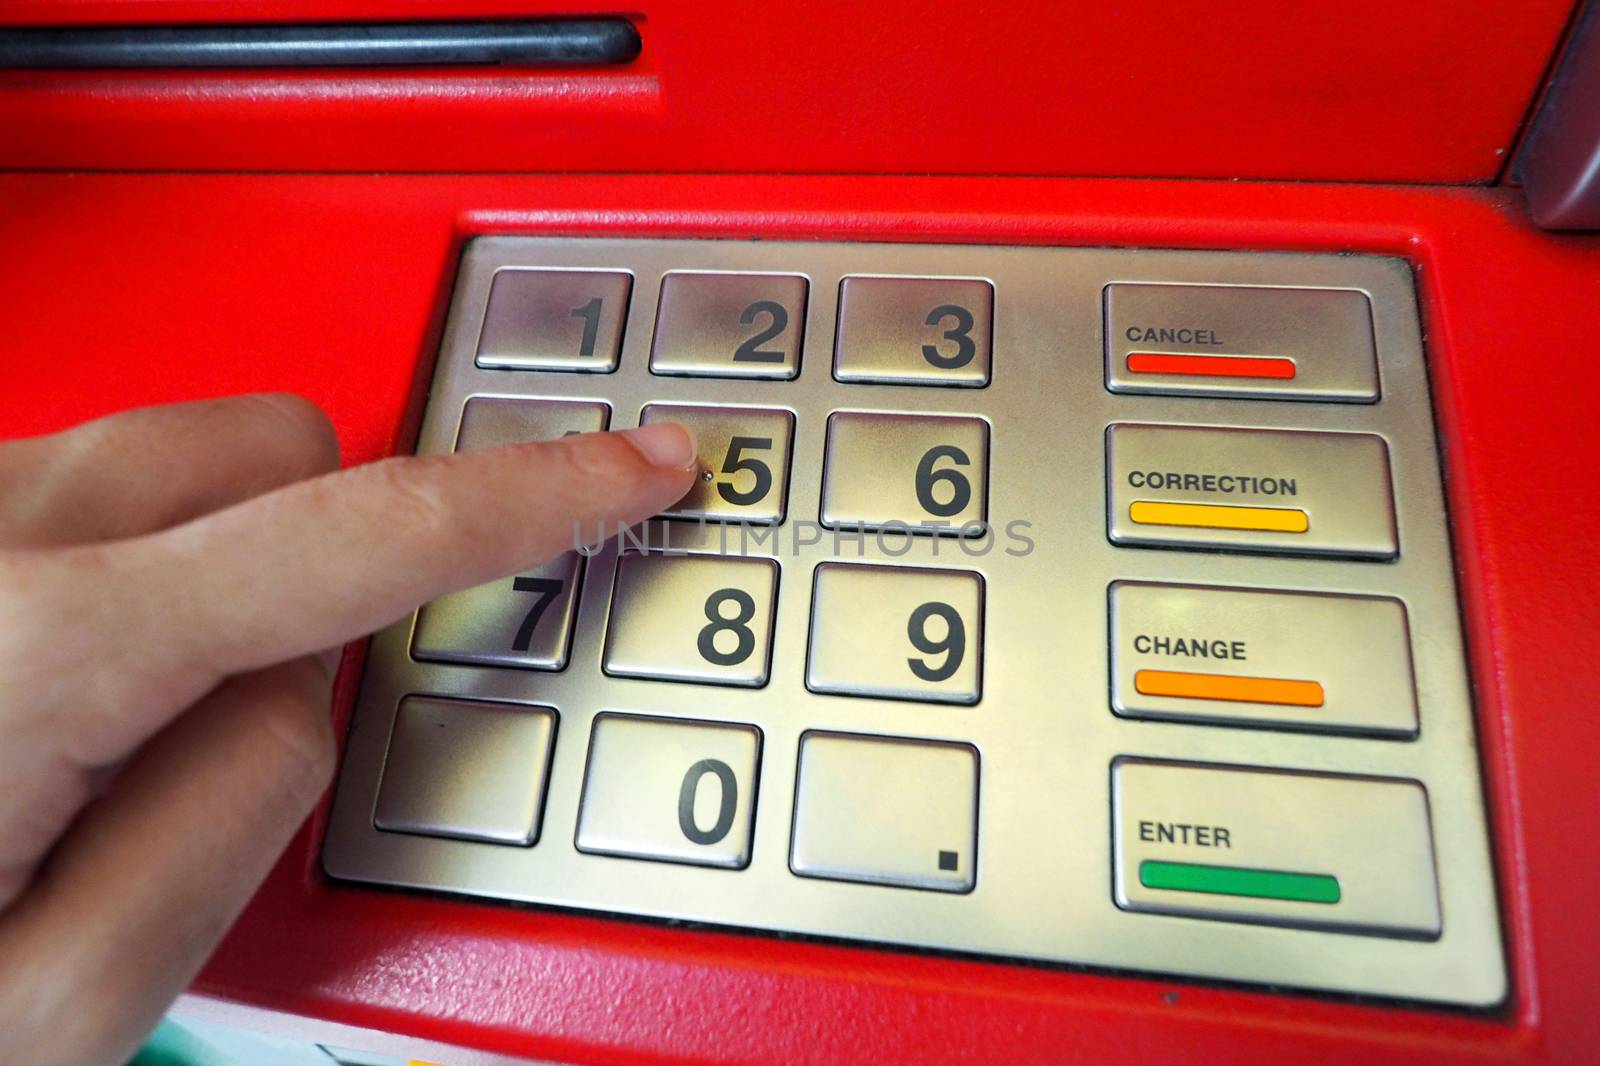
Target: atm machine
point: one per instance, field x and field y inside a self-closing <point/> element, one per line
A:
<point x="1139" y="597"/>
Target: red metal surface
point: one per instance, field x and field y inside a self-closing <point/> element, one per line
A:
<point x="116" y="290"/>
<point x="1362" y="90"/>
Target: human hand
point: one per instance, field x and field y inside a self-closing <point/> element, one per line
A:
<point x="167" y="578"/>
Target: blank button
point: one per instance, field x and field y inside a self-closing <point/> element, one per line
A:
<point x="466" y="769"/>
<point x="886" y="811"/>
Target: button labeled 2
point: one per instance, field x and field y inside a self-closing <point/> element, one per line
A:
<point x="896" y="632"/>
<point x="669" y="789"/>
<point x="703" y="618"/>
<point x="924" y="473"/>
<point x="729" y="325"/>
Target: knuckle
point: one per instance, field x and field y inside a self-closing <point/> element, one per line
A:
<point x="411" y="493"/>
<point x="301" y="428"/>
<point x="597" y="457"/>
<point x="299" y="723"/>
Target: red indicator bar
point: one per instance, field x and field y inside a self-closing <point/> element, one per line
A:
<point x="1212" y="366"/>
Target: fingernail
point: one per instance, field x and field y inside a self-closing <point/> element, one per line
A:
<point x="665" y="444"/>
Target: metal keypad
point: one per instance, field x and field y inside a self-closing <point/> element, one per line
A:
<point x="917" y="662"/>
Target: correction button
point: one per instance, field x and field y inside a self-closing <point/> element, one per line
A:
<point x="1286" y="491"/>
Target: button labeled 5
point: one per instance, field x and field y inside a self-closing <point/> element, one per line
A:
<point x="896" y="632"/>
<point x="702" y="618"/>
<point x="923" y="472"/>
<point x="730" y="325"/>
<point x="662" y="788"/>
<point x="745" y="450"/>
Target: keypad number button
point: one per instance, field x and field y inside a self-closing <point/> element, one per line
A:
<point x="523" y="621"/>
<point x="699" y="618"/>
<point x="729" y="325"/>
<point x="540" y="319"/>
<point x="914" y="331"/>
<point x="670" y="790"/>
<point x="896" y="632"/>
<point x="886" y="811"/>
<point x="745" y="452"/>
<point x="921" y="473"/>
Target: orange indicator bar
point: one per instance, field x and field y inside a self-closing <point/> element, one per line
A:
<point x="1275" y="690"/>
<point x="1212" y="366"/>
<point x="1219" y="516"/>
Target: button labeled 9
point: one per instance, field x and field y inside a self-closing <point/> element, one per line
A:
<point x="896" y="632"/>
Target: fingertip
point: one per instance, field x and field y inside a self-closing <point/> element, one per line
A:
<point x="668" y="445"/>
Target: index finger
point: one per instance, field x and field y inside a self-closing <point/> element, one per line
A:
<point x="325" y="561"/>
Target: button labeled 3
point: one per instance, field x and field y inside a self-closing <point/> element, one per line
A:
<point x="921" y="472"/>
<point x="745" y="452"/>
<point x="886" y="811"/>
<point x="554" y="320"/>
<point x="1290" y="491"/>
<point x="1315" y="850"/>
<point x="703" y="618"/>
<point x="896" y="632"/>
<point x="914" y="331"/>
<point x="466" y="769"/>
<point x="663" y="788"/>
<point x="1295" y="659"/>
<point x="730" y="325"/>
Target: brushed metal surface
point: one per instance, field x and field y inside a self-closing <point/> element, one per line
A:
<point x="1326" y="333"/>
<point x="662" y="788"/>
<point x="1044" y="730"/>
<point x="1339" y="480"/>
<point x="1369" y="834"/>
<point x="1357" y="648"/>
<point x="542" y="319"/>
<point x="467" y="769"/>
<point x="914" y="331"/>
<point x="729" y="325"/>
<point x="867" y="623"/>
<point x="884" y="811"/>
<point x="898" y="471"/>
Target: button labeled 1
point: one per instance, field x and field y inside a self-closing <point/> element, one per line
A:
<point x="914" y="331"/>
<point x="1295" y="659"/>
<point x="745" y="452"/>
<point x="703" y="618"/>
<point x="919" y="472"/>
<point x="1276" y="847"/>
<point x="729" y="325"/>
<point x="886" y="811"/>
<point x="897" y="632"/>
<point x="668" y="789"/>
<point x="554" y="320"/>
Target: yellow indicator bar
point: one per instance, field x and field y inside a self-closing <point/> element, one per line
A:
<point x="1219" y="516"/>
<point x="1275" y="690"/>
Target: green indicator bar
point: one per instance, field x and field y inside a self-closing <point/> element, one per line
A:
<point x="1237" y="881"/>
